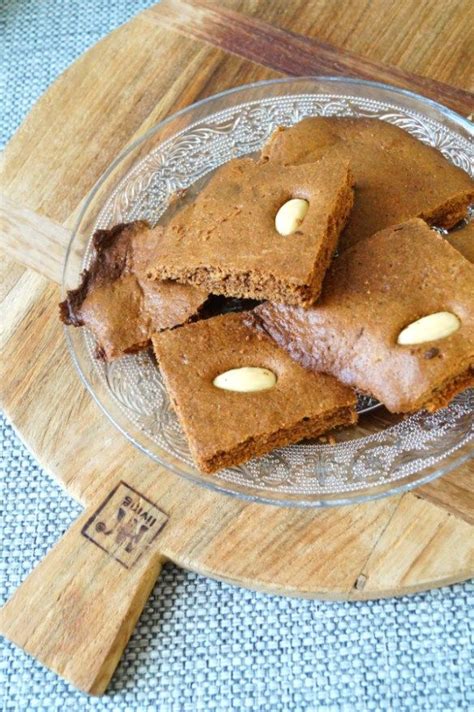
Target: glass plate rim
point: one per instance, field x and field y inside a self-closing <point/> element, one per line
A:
<point x="285" y="501"/>
<point x="450" y="113"/>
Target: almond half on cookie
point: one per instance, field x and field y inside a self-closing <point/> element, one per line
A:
<point x="397" y="177"/>
<point x="259" y="231"/>
<point x="238" y="395"/>
<point x="395" y="320"/>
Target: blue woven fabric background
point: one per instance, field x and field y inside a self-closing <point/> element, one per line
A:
<point x="202" y="645"/>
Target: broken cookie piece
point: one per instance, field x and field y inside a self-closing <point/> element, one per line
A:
<point x="238" y="395"/>
<point x="463" y="240"/>
<point x="397" y="177"/>
<point x="395" y="320"/>
<point x="116" y="301"/>
<point x="259" y="231"/>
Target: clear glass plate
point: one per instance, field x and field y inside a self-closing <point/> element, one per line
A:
<point x="385" y="454"/>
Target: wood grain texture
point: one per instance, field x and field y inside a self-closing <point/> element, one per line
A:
<point x="453" y="492"/>
<point x="32" y="239"/>
<point x="388" y="547"/>
<point x="291" y="53"/>
<point x="291" y="551"/>
<point x="121" y="98"/>
<point x="442" y="546"/>
<point x="77" y="609"/>
<point x="431" y="38"/>
<point x="55" y="437"/>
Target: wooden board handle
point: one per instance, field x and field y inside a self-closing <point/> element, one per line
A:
<point x="76" y="611"/>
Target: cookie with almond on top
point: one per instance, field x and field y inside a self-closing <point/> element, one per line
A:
<point x="395" y="320"/>
<point x="238" y="395"/>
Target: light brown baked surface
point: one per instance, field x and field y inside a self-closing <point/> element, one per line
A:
<point x="226" y="240"/>
<point x="116" y="301"/>
<point x="372" y="291"/>
<point x="224" y="428"/>
<point x="463" y="241"/>
<point x="396" y="176"/>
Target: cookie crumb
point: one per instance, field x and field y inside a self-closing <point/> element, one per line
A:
<point x="431" y="353"/>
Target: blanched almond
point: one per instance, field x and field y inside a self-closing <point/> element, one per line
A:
<point x="247" y="379"/>
<point x="429" y="328"/>
<point x="291" y="215"/>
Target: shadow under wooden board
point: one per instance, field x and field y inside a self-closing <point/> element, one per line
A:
<point x="76" y="611"/>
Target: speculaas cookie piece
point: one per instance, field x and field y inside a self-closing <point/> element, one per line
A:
<point x="238" y="395"/>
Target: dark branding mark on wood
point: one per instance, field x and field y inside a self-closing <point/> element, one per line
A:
<point x="125" y="524"/>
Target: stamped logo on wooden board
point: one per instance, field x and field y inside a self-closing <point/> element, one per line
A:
<point x="125" y="524"/>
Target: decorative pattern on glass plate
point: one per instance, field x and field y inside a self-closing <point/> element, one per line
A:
<point x="308" y="470"/>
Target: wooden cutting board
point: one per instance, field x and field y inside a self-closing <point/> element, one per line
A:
<point x="77" y="610"/>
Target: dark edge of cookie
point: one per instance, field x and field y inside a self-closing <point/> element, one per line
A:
<point x="102" y="241"/>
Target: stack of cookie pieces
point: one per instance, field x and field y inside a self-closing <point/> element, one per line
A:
<point x="392" y="315"/>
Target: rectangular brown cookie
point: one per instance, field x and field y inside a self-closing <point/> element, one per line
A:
<point x="225" y="428"/>
<point x="115" y="300"/>
<point x="397" y="177"/>
<point x="227" y="243"/>
<point x="371" y="293"/>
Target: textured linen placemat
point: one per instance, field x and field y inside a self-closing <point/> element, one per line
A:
<point x="202" y="645"/>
